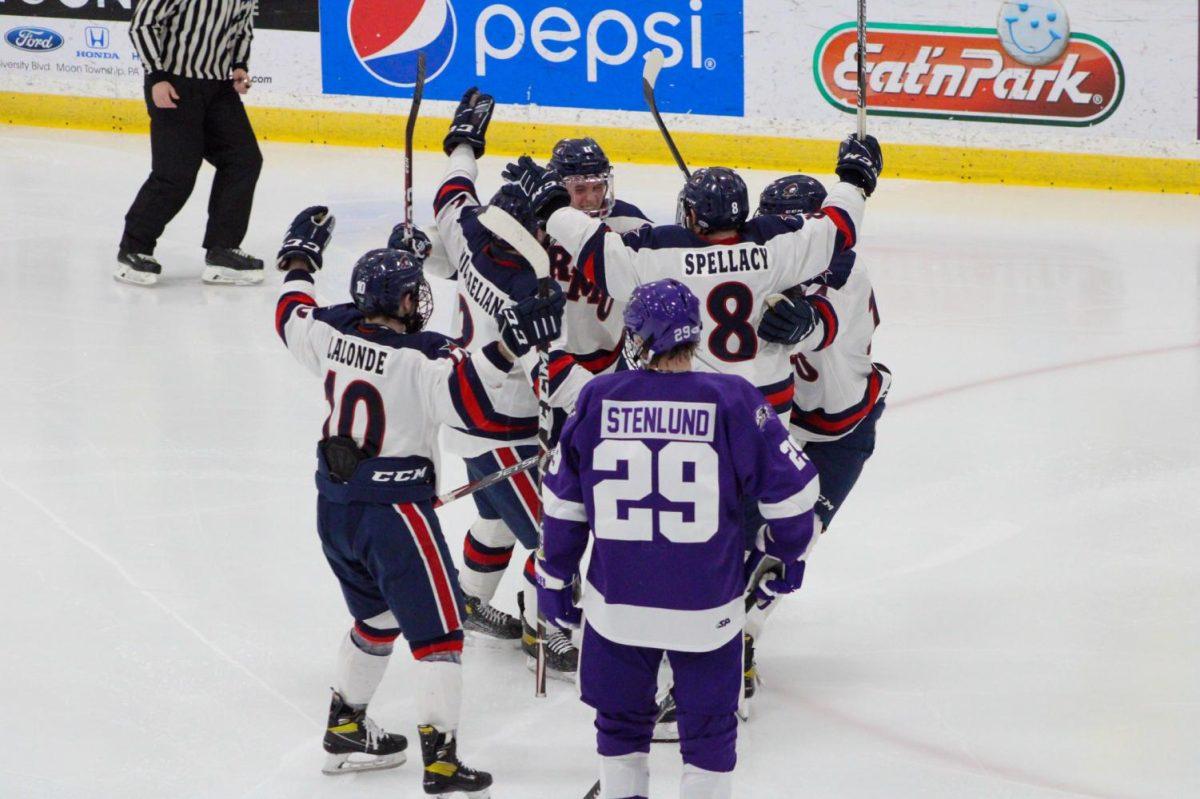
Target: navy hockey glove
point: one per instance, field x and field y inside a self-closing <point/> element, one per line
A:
<point x="532" y="322"/>
<point x="543" y="186"/>
<point x="787" y="321"/>
<point x="470" y="122"/>
<point x="410" y="239"/>
<point x="525" y="174"/>
<point x="307" y="237"/>
<point x="860" y="162"/>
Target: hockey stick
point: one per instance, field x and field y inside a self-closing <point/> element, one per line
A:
<point x="594" y="793"/>
<point x="862" y="70"/>
<point x="769" y="566"/>
<point x="409" y="130"/>
<point x="486" y="482"/>
<point x="513" y="232"/>
<point x="654" y="65"/>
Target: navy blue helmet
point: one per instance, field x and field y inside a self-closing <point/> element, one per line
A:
<point x="659" y="317"/>
<point x="587" y="173"/>
<point x="512" y="200"/>
<point x="383" y="278"/>
<point x="792" y="195"/>
<point x="719" y="198"/>
<point x="573" y="157"/>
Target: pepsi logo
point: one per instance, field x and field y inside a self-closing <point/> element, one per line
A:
<point x="387" y="35"/>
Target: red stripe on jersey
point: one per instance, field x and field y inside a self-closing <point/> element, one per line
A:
<point x="442" y="588"/>
<point x="287" y="303"/>
<point x="843" y="224"/>
<point x="838" y="424"/>
<point x="474" y="409"/>
<point x="828" y="316"/>
<point x="372" y="638"/>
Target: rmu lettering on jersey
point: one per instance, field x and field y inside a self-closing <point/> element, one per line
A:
<point x="724" y="261"/>
<point x="652" y="419"/>
<point x="357" y="355"/>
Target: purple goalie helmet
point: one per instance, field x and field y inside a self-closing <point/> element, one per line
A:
<point x="660" y="316"/>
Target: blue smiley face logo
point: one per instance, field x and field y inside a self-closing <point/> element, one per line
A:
<point x="1034" y="33"/>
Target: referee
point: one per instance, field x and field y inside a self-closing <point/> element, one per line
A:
<point x="195" y="53"/>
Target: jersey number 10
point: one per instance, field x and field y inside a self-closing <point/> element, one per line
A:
<point x="688" y="507"/>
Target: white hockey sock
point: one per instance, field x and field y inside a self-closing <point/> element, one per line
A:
<point x="439" y="693"/>
<point x="627" y="775"/>
<point x="700" y="784"/>
<point x="358" y="673"/>
<point x="492" y="533"/>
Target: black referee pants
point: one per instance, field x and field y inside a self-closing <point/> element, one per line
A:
<point x="209" y="124"/>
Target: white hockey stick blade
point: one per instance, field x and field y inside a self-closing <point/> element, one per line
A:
<point x="654" y="65"/>
<point x="503" y="225"/>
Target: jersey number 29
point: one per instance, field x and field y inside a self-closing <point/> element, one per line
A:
<point x="687" y="505"/>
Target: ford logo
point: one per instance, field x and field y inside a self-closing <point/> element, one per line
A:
<point x="34" y="40"/>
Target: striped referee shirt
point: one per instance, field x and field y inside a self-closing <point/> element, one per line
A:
<point x="192" y="38"/>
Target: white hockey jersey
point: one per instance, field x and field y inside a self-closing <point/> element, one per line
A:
<point x="837" y="384"/>
<point x="593" y="323"/>
<point x="488" y="281"/>
<point x="387" y="391"/>
<point x="731" y="278"/>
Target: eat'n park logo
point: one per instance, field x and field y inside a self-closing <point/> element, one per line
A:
<point x="945" y="72"/>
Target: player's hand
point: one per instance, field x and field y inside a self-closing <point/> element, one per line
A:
<point x="470" y="122"/>
<point x="532" y="322"/>
<point x="557" y="606"/>
<point x="767" y="577"/>
<point x="525" y="174"/>
<point x="411" y="239"/>
<point x="787" y="321"/>
<point x="860" y="162"/>
<point x="307" y="237"/>
<point x="164" y="95"/>
<point x="241" y="81"/>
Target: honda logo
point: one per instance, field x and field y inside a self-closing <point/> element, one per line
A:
<point x="96" y="37"/>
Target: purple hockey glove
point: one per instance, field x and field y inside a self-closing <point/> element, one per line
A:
<point x="556" y="601"/>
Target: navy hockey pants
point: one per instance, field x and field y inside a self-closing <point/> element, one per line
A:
<point x="840" y="463"/>
<point x="620" y="681"/>
<point x="394" y="557"/>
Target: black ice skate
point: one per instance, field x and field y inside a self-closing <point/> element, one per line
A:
<point x="356" y="743"/>
<point x="562" y="658"/>
<point x="666" y="725"/>
<point x="225" y="266"/>
<point x="137" y="269"/>
<point x="489" y="623"/>
<point x="444" y="772"/>
<point x="750" y="679"/>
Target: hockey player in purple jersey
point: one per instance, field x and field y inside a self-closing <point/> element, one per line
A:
<point x="654" y="463"/>
<point x="390" y="385"/>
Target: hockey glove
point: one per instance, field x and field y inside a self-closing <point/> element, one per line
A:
<point x="767" y="577"/>
<point x="532" y="322"/>
<point x="860" y="162"/>
<point x="787" y="321"/>
<point x="410" y="239"/>
<point x="556" y="601"/>
<point x="307" y="237"/>
<point x="524" y="174"/>
<point x="470" y="122"/>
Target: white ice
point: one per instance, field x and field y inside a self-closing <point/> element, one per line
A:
<point x="1008" y="605"/>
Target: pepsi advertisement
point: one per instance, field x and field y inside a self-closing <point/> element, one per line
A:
<point x="585" y="54"/>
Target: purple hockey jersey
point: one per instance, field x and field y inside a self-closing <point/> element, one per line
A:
<point x="656" y="465"/>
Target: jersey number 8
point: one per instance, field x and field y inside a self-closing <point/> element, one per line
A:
<point x="688" y="506"/>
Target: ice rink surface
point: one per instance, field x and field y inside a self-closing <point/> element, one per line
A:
<point x="1008" y="606"/>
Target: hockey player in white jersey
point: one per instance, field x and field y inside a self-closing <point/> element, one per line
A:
<point x="493" y="276"/>
<point x="828" y="322"/>
<point x="731" y="263"/>
<point x="390" y="385"/>
<point x="593" y="334"/>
